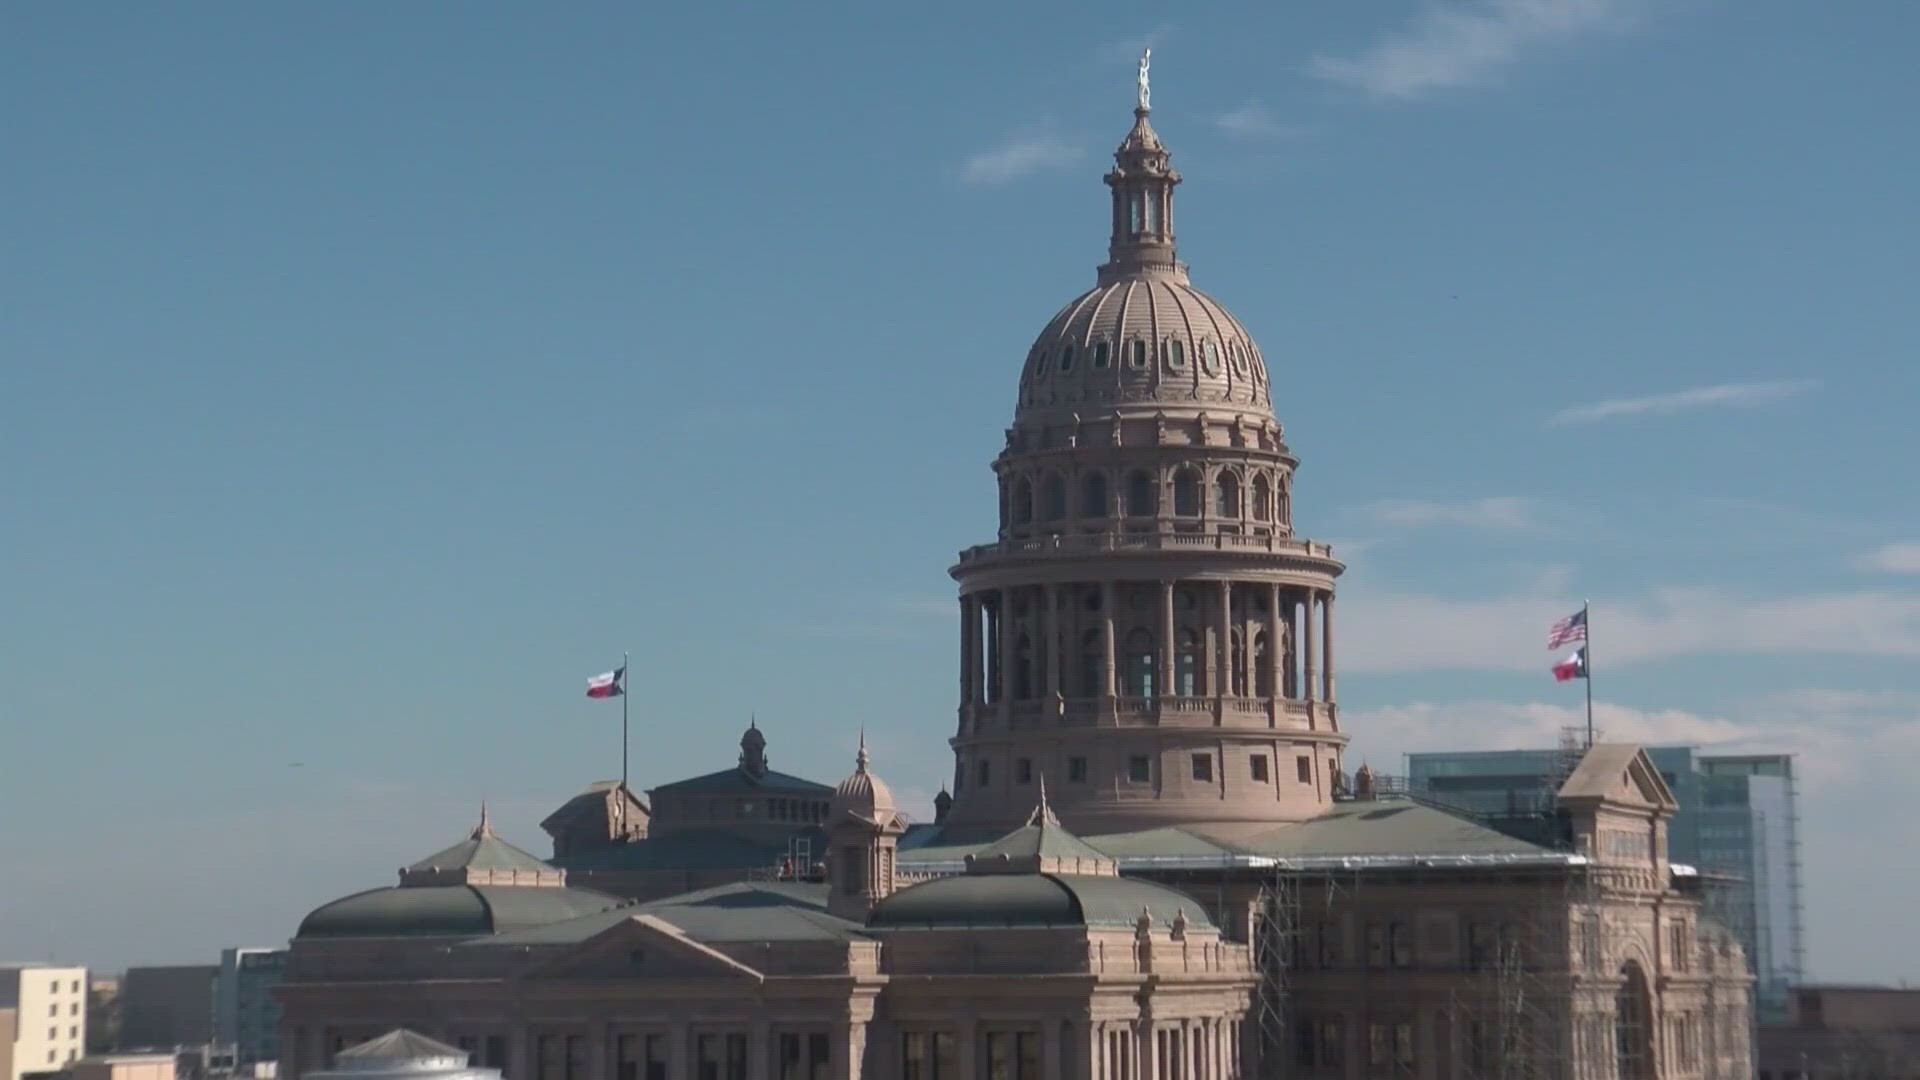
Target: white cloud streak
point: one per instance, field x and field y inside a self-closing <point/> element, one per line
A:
<point x="1725" y="396"/>
<point x="1455" y="45"/>
<point x="1020" y="155"/>
<point x="1501" y="512"/>
<point x="1254" y="123"/>
<point x="1902" y="558"/>
<point x="1404" y="633"/>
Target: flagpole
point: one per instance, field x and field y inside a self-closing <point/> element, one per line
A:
<point x="1586" y="616"/>
<point x="623" y="725"/>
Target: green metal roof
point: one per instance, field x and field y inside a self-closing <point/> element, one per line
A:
<point x="480" y="852"/>
<point x="743" y="911"/>
<point x="1387" y="827"/>
<point x="737" y="779"/>
<point x="1043" y="839"/>
<point x="448" y="910"/>
<point x="985" y="900"/>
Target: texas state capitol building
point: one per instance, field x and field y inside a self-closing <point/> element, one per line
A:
<point x="1151" y="865"/>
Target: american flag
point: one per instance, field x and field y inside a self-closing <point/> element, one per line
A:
<point x="1568" y="630"/>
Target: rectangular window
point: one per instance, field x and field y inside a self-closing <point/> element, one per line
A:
<point x="1259" y="765"/>
<point x="656" y="1057"/>
<point x="1023" y="770"/>
<point x="1027" y="1047"/>
<point x="626" y="1060"/>
<point x="819" y="1057"/>
<point x="1203" y="767"/>
<point x="853" y="872"/>
<point x="793" y="1064"/>
<point x="495" y="1055"/>
<point x="549" y="1062"/>
<point x="1303" y="766"/>
<point x="980" y="773"/>
<point x="1400" y="937"/>
<point x="736" y="1057"/>
<point x="929" y="1055"/>
<point x="1077" y="770"/>
<point x="1139" y="769"/>
<point x="706" y="1057"/>
<point x="999" y="1056"/>
<point x="1377" y="946"/>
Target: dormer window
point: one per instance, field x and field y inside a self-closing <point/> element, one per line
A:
<point x="1176" y="354"/>
<point x="1066" y="359"/>
<point x="1139" y="354"/>
<point x="1100" y="355"/>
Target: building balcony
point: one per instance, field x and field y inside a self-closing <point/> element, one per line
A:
<point x="1170" y="711"/>
<point x="1155" y="542"/>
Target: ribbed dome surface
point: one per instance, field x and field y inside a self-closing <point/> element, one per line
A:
<point x="863" y="794"/>
<point x="1148" y="338"/>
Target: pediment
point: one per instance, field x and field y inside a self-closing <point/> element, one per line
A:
<point x="1618" y="774"/>
<point x="645" y="947"/>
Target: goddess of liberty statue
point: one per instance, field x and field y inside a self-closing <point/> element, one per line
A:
<point x="1145" y="101"/>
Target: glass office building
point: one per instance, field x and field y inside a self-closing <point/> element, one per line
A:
<point x="1738" y="819"/>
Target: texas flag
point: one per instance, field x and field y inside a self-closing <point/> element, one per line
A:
<point x="1573" y="667"/>
<point x="607" y="685"/>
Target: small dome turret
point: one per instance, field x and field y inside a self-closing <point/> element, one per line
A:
<point x="862" y="794"/>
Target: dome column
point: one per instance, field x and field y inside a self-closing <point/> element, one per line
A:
<point x="1326" y="643"/>
<point x="969" y="655"/>
<point x="1109" y="596"/>
<point x="1052" y="649"/>
<point x="1276" y="658"/>
<point x="1164" y="684"/>
<point x="1005" y="688"/>
<point x="1225" y="683"/>
<point x="1309" y="673"/>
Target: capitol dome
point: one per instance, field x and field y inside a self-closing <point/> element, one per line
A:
<point x="1143" y="335"/>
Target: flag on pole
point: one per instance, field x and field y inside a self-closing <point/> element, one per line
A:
<point x="1568" y="630"/>
<point x="608" y="685"/>
<point x="1573" y="667"/>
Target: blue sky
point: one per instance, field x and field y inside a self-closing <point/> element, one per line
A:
<point x="370" y="375"/>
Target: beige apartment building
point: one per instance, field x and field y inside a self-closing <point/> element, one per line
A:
<point x="49" y="1006"/>
<point x="1153" y="863"/>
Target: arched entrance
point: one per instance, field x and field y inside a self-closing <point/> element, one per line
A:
<point x="1633" y="1026"/>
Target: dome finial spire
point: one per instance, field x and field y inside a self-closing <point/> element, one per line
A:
<point x="861" y="759"/>
<point x="485" y="828"/>
<point x="1143" y="99"/>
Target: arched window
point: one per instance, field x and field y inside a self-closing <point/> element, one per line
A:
<point x="1186" y="664"/>
<point x="1023" y="668"/>
<point x="1093" y="663"/>
<point x="1055" y="504"/>
<point x="1093" y="495"/>
<point x="1022" y="501"/>
<point x="1140" y="500"/>
<point x="1262" y="665"/>
<point x="1282" y="506"/>
<point x="1186" y="493"/>
<point x="1262" y="500"/>
<point x="1226" y="496"/>
<point x="1633" y="1026"/>
<point x="1137" y="669"/>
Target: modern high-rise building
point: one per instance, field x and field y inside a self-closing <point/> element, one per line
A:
<point x="1738" y="820"/>
<point x="163" y="1008"/>
<point x="245" y="1014"/>
<point x="49" y="1007"/>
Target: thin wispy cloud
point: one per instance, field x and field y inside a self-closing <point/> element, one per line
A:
<point x="1459" y="44"/>
<point x="1022" y="154"/>
<point x="1253" y="122"/>
<point x="1901" y="558"/>
<point x="1502" y="512"/>
<point x="1130" y="48"/>
<point x="1404" y="633"/>
<point x="1725" y="396"/>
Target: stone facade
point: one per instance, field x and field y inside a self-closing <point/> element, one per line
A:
<point x="1146" y="661"/>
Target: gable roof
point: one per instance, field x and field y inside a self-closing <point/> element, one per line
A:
<point x="741" y="911"/>
<point x="1606" y="767"/>
<point x="400" y="1044"/>
<point x="590" y="806"/>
